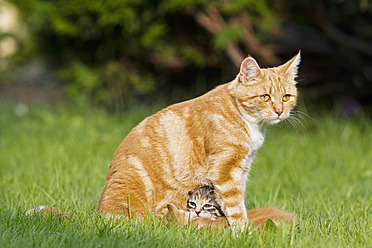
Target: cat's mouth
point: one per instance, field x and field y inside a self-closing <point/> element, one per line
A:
<point x="277" y="118"/>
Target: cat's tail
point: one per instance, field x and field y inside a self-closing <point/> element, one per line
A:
<point x="260" y="216"/>
<point x="47" y="211"/>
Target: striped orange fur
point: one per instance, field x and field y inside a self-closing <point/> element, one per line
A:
<point x="213" y="137"/>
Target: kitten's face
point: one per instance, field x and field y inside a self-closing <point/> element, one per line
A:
<point x="203" y="205"/>
<point x="267" y="95"/>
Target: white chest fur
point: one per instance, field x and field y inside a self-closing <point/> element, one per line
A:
<point x="255" y="140"/>
<point x="256" y="137"/>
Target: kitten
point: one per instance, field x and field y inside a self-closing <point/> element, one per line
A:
<point x="212" y="137"/>
<point x="203" y="202"/>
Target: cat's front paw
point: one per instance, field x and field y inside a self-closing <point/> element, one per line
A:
<point x="238" y="226"/>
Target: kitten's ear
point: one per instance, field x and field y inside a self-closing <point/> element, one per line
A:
<point x="173" y="209"/>
<point x="249" y="70"/>
<point x="176" y="215"/>
<point x="290" y="69"/>
<point x="210" y="184"/>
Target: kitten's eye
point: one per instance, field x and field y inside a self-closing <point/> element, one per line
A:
<point x="286" y="98"/>
<point x="192" y="204"/>
<point x="265" y="97"/>
<point x="207" y="206"/>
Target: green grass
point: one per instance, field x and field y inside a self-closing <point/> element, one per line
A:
<point x="60" y="156"/>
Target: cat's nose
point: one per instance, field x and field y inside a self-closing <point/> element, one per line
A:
<point x="197" y="212"/>
<point x="279" y="112"/>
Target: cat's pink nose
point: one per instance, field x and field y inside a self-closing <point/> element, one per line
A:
<point x="279" y="112"/>
<point x="197" y="212"/>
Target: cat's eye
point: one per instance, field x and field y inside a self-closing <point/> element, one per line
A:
<point x="265" y="97"/>
<point x="192" y="204"/>
<point x="207" y="206"/>
<point x="286" y="98"/>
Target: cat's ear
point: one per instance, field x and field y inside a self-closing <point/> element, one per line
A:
<point x="290" y="69"/>
<point x="249" y="70"/>
<point x="177" y="215"/>
<point x="210" y="184"/>
<point x="173" y="209"/>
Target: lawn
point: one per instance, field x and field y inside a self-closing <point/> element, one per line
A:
<point x="59" y="156"/>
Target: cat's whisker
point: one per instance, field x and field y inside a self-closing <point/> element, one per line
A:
<point x="298" y="115"/>
<point x="298" y="121"/>
<point x="302" y="115"/>
<point x="290" y="121"/>
<point x="263" y="121"/>
<point x="297" y="124"/>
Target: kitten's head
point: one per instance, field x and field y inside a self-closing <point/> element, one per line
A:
<point x="203" y="203"/>
<point x="266" y="95"/>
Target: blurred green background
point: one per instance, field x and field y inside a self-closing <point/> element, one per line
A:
<point x="117" y="53"/>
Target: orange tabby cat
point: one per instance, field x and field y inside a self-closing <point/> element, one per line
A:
<point x="213" y="137"/>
